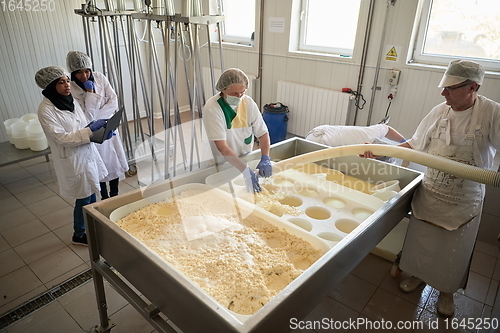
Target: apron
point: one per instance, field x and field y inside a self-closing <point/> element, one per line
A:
<point x="239" y="135"/>
<point x="444" y="199"/>
<point x="446" y="213"/>
<point x="438" y="256"/>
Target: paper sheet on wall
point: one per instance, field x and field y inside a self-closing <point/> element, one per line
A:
<point x="277" y="24"/>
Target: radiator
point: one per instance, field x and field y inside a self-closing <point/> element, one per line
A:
<point x="312" y="106"/>
<point x="207" y="82"/>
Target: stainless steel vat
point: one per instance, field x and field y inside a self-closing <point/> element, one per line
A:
<point x="170" y="295"/>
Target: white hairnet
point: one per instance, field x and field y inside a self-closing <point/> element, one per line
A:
<point x="459" y="71"/>
<point x="76" y="60"/>
<point x="231" y="76"/>
<point x="46" y="75"/>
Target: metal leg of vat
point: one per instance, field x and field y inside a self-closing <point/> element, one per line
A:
<point x="105" y="324"/>
<point x="101" y="271"/>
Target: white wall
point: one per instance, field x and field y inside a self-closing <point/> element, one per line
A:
<point x="417" y="89"/>
<point x="31" y="41"/>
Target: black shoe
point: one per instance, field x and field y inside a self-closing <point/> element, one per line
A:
<point x="80" y="240"/>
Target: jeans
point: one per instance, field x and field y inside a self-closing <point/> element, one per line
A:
<point x="113" y="188"/>
<point x="78" y="222"/>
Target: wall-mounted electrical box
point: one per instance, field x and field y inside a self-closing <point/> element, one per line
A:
<point x="393" y="77"/>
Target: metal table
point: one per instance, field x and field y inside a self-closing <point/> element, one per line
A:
<point x="9" y="154"/>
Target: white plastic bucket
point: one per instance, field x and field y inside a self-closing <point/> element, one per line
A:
<point x="27" y="117"/>
<point x="19" y="136"/>
<point x="36" y="137"/>
<point x="34" y="121"/>
<point x="7" y="123"/>
<point x="34" y="131"/>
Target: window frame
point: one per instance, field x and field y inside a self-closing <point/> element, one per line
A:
<point x="296" y="35"/>
<point x="415" y="55"/>
<point x="300" y="30"/>
<point x="238" y="40"/>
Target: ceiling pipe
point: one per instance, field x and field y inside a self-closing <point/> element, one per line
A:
<point x="363" y="56"/>
<point x="377" y="69"/>
<point x="261" y="47"/>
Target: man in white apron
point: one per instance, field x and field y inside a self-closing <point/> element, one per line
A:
<point x="447" y="209"/>
<point x="231" y="120"/>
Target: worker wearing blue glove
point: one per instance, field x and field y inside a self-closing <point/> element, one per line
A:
<point x="251" y="180"/>
<point x="265" y="167"/>
<point x="93" y="91"/>
<point x="77" y="163"/>
<point x="232" y="120"/>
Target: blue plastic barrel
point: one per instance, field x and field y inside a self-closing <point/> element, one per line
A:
<point x="276" y="118"/>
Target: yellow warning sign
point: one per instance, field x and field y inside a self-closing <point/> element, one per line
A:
<point x="392" y="55"/>
<point x="392" y="52"/>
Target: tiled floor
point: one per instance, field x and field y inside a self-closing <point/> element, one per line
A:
<point x="36" y="255"/>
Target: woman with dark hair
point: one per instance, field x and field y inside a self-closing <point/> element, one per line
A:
<point x="77" y="163"/>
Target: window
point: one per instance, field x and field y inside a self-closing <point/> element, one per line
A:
<point x="329" y="26"/>
<point x="239" y="21"/>
<point x="450" y="29"/>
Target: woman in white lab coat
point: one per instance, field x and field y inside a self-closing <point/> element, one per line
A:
<point x="77" y="163"/>
<point x="98" y="100"/>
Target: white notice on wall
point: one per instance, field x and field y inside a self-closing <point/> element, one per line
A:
<point x="277" y="24"/>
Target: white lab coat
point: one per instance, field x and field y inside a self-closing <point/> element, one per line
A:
<point x="77" y="162"/>
<point x="101" y="105"/>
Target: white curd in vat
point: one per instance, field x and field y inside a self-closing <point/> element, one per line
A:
<point x="242" y="264"/>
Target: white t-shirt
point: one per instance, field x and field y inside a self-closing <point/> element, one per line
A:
<point x="489" y="118"/>
<point x="335" y="136"/>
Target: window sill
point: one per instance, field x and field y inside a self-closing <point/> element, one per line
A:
<point x="488" y="72"/>
<point x="237" y="44"/>
<point x="321" y="56"/>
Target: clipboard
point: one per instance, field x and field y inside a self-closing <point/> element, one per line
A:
<point x="102" y="133"/>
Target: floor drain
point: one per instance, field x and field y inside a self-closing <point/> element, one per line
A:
<point x="44" y="299"/>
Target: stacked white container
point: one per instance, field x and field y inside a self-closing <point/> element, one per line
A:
<point x="8" y="123"/>
<point x="19" y="136"/>
<point x="36" y="138"/>
<point x="29" y="116"/>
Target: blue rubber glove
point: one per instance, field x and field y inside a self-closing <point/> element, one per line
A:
<point x="110" y="135"/>
<point x="95" y="125"/>
<point x="251" y="180"/>
<point x="265" y="167"/>
<point x="89" y="85"/>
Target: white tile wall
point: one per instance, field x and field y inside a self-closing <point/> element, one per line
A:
<point x="32" y="40"/>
